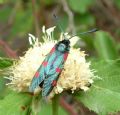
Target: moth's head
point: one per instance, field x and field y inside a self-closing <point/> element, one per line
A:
<point x="63" y="45"/>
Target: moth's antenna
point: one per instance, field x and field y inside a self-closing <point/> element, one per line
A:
<point x="90" y="31"/>
<point x="58" y="23"/>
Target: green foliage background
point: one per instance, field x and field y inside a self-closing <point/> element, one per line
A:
<point x="17" y="19"/>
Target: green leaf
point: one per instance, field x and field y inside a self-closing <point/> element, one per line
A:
<point x="1" y="1"/>
<point x="105" y="46"/>
<point x="2" y="87"/>
<point x="40" y="107"/>
<point x="104" y="95"/>
<point x="4" y="14"/>
<point x="80" y="6"/>
<point x="19" y="28"/>
<point x="5" y="62"/>
<point x="47" y="110"/>
<point x="117" y="3"/>
<point x="48" y="2"/>
<point x="86" y="20"/>
<point x="15" y="104"/>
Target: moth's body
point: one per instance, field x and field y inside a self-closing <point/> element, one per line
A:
<point x="49" y="71"/>
<point x="56" y="59"/>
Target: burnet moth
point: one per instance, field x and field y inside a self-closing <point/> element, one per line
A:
<point x="48" y="73"/>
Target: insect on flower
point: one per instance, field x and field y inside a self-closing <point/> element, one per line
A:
<point x="48" y="73"/>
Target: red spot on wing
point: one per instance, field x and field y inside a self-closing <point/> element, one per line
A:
<point x="65" y="56"/>
<point x="58" y="70"/>
<point x="54" y="83"/>
<point x="53" y="49"/>
<point x="37" y="74"/>
<point x="45" y="63"/>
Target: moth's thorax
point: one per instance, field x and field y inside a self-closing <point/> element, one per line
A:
<point x="63" y="46"/>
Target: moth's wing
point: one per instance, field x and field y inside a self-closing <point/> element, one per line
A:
<point x="51" y="80"/>
<point x="40" y="74"/>
<point x="48" y="84"/>
<point x="37" y="79"/>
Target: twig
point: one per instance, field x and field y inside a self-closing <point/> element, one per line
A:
<point x="35" y="18"/>
<point x="10" y="53"/>
<point x="108" y="10"/>
<point x="71" y="26"/>
<point x="69" y="108"/>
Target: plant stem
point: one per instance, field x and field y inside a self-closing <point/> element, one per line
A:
<point x="55" y="105"/>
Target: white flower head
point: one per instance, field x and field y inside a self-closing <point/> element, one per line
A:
<point x="31" y="39"/>
<point x="43" y="29"/>
<point x="48" y="33"/>
<point x="74" y="40"/>
<point x="75" y="75"/>
<point x="50" y="30"/>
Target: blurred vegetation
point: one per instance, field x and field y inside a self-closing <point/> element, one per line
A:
<point x="18" y="18"/>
